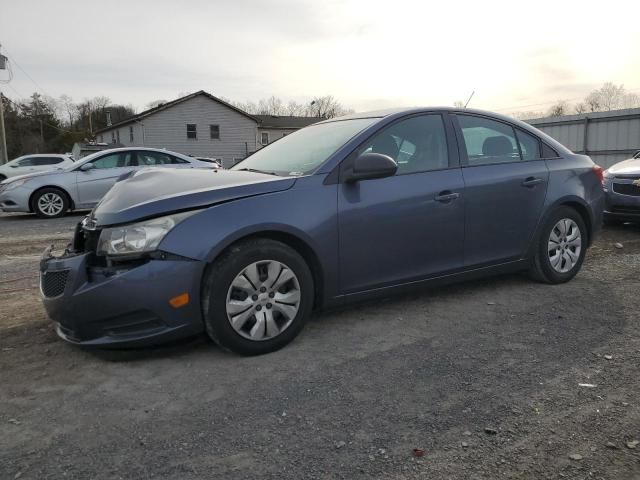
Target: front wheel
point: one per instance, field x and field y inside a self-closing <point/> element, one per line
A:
<point x="561" y="247"/>
<point x="257" y="297"/>
<point x="50" y="203"/>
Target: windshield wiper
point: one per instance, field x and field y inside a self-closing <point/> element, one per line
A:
<point x="257" y="171"/>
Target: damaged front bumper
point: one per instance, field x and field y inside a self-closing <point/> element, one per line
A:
<point x="126" y="305"/>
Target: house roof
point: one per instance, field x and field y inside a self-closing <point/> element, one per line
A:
<point x="170" y="104"/>
<point x="282" y="121"/>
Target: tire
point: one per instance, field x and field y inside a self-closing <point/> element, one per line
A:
<point x="240" y="285"/>
<point x="570" y="263"/>
<point x="2" y="178"/>
<point x="50" y="203"/>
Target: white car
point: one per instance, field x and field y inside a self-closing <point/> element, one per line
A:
<point x="82" y="185"/>
<point x="39" y="162"/>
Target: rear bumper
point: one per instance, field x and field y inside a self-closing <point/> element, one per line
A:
<point x="129" y="307"/>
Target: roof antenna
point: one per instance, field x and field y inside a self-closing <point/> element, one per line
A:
<point x="469" y="99"/>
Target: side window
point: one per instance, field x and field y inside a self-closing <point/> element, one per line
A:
<point x="264" y="138"/>
<point x="488" y="141"/>
<point x="548" y="152"/>
<point x="214" y="132"/>
<point x="157" y="158"/>
<point x="529" y="145"/>
<point x="417" y="144"/>
<point x="192" y="130"/>
<point x="115" y="160"/>
<point x="27" y="162"/>
<point x="42" y="161"/>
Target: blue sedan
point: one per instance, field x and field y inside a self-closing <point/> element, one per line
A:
<point x="342" y="210"/>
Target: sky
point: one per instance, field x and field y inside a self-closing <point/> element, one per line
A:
<point x="516" y="56"/>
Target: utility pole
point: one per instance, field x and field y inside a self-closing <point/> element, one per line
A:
<point x="4" y="157"/>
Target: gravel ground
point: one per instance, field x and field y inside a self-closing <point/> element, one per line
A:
<point x="484" y="377"/>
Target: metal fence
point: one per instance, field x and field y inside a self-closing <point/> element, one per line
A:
<point x="607" y="137"/>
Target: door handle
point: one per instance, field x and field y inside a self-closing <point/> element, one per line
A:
<point x="531" y="182"/>
<point x="446" y="196"/>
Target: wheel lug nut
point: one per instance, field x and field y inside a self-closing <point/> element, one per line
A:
<point x="271" y="294"/>
<point x="263" y="289"/>
<point x="254" y="297"/>
<point x="259" y="307"/>
<point x="269" y="305"/>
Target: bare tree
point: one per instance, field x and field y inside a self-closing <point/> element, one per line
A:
<point x="560" y="108"/>
<point x="68" y="108"/>
<point x="295" y="109"/>
<point x="630" y="100"/>
<point x="581" y="107"/>
<point x="326" y="107"/>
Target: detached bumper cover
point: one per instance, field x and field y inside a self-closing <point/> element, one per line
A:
<point x="120" y="307"/>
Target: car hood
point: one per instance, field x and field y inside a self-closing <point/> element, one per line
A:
<point x="155" y="192"/>
<point x="35" y="174"/>
<point x="626" y="167"/>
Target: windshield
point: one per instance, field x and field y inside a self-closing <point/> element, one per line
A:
<point x="301" y="152"/>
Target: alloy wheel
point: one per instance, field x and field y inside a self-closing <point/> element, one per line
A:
<point x="50" y="204"/>
<point x="564" y="246"/>
<point x="263" y="300"/>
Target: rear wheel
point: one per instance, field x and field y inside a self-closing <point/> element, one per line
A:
<point x="561" y="247"/>
<point x="257" y="297"/>
<point x="50" y="203"/>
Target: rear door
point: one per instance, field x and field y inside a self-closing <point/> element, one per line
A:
<point x="93" y="184"/>
<point x="505" y="186"/>
<point x="408" y="226"/>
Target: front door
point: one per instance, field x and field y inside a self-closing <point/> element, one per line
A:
<point x="95" y="183"/>
<point x="505" y="186"/>
<point x="405" y="227"/>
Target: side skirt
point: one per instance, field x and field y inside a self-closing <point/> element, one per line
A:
<point x="482" y="272"/>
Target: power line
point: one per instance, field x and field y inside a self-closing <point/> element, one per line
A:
<point x="12" y="60"/>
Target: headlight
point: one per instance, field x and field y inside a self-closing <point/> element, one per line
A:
<point x="10" y="185"/>
<point x="138" y="237"/>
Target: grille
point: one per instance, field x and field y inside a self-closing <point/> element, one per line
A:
<point x="53" y="283"/>
<point x="627" y="189"/>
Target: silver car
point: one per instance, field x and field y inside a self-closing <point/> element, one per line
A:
<point x="622" y="191"/>
<point x="81" y="185"/>
<point x="38" y="162"/>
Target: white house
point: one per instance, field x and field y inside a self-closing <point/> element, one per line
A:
<point x="201" y="124"/>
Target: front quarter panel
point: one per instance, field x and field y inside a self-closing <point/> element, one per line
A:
<point x="307" y="211"/>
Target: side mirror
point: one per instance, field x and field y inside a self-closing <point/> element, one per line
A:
<point x="87" y="166"/>
<point x="372" y="165"/>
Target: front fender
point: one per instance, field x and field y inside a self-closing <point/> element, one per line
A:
<point x="307" y="211"/>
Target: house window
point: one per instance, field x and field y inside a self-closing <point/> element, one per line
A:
<point x="264" y="138"/>
<point x="214" y="131"/>
<point x="118" y="135"/>
<point x="113" y="137"/>
<point x="192" y="131"/>
<point x="131" y="133"/>
<point x="101" y="138"/>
